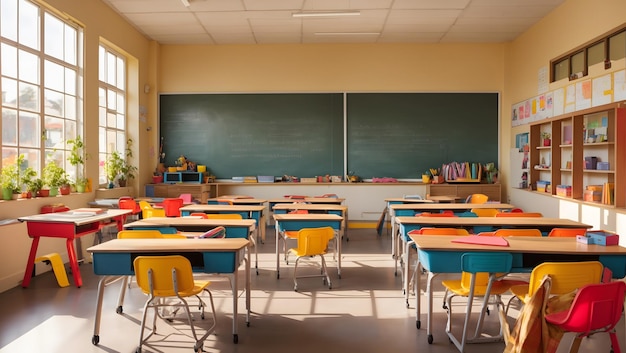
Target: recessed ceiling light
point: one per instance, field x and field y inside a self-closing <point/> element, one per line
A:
<point x="325" y="13"/>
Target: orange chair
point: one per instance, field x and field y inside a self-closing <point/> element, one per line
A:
<point x="443" y="231"/>
<point x="519" y="214"/>
<point x="507" y="232"/>
<point x="485" y="212"/>
<point x="128" y="203"/>
<point x="567" y="232"/>
<point x="477" y="198"/>
<point x="172" y="207"/>
<point x="199" y="214"/>
<point x="224" y="202"/>
<point x="596" y="308"/>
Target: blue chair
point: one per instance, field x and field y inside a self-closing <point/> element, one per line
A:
<point x="480" y="278"/>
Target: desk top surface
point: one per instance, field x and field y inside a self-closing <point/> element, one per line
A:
<point x="493" y="221"/>
<point x="191" y="221"/>
<point x="166" y="245"/>
<point x="409" y="200"/>
<point x="330" y="200"/>
<point x="237" y="200"/>
<point x="243" y="208"/>
<point x="307" y="217"/>
<point x="556" y="245"/>
<point x="77" y="218"/>
<point x="309" y="206"/>
<point x="450" y="206"/>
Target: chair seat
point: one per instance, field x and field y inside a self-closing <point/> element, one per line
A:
<point x="456" y="287"/>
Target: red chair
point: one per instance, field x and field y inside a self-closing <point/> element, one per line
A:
<point x="199" y="214"/>
<point x="567" y="232"/>
<point x="596" y="308"/>
<point x="128" y="203"/>
<point x="172" y="207"/>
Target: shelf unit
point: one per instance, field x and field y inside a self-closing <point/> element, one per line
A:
<point x="598" y="132"/>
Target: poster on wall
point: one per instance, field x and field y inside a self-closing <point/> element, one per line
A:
<point x="583" y="95"/>
<point x="570" y="98"/>
<point x="619" y="85"/>
<point x="601" y="91"/>
<point x="558" y="99"/>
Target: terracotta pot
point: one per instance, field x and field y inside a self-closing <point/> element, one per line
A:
<point x="65" y="189"/>
<point x="157" y="179"/>
<point x="43" y="193"/>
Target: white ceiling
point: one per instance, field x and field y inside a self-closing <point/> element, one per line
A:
<point x="380" y="21"/>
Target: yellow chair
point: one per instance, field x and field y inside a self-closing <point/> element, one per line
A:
<point x="149" y="211"/>
<point x="477" y="198"/>
<point x="162" y="277"/>
<point x="565" y="277"/>
<point x="139" y="234"/>
<point x="485" y="212"/>
<point x="479" y="278"/>
<point x="567" y="232"/>
<point x="507" y="232"/>
<point x="519" y="214"/>
<point x="223" y="216"/>
<point x="312" y="242"/>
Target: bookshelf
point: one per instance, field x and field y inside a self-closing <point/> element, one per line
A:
<point x="587" y="151"/>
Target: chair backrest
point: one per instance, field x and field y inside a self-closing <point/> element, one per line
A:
<point x="224" y="202"/>
<point x="443" y="231"/>
<point x="148" y="211"/>
<point x="139" y="234"/>
<point x="299" y="212"/>
<point x="596" y="308"/>
<point x="314" y="241"/>
<point x="223" y="216"/>
<point x="128" y="203"/>
<point x="477" y="198"/>
<point x="163" y="276"/>
<point x="215" y="233"/>
<point x="483" y="265"/>
<point x="172" y="207"/>
<point x="485" y="212"/>
<point x="199" y="214"/>
<point x="519" y="214"/>
<point x="566" y="276"/>
<point x="187" y="198"/>
<point x="507" y="232"/>
<point x="567" y="232"/>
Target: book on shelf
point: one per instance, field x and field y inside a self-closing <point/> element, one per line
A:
<point x="608" y="193"/>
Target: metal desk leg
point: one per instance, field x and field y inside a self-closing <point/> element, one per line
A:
<point x="277" y="252"/>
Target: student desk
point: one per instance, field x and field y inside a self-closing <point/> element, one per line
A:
<point x="250" y="211"/>
<point x="70" y="226"/>
<point x="410" y="209"/>
<point x="340" y="210"/>
<point x="286" y="222"/>
<point x="115" y="258"/>
<point x="235" y="228"/>
<point x="438" y="254"/>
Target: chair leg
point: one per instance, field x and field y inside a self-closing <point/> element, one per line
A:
<point x="295" y="278"/>
<point x="575" y="344"/>
<point x="614" y="342"/>
<point x="325" y="272"/>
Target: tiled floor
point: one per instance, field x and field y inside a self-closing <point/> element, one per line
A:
<point x="364" y="312"/>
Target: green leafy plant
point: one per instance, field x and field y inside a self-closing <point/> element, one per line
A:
<point x="10" y="178"/>
<point x="53" y="175"/>
<point x="113" y="166"/>
<point x="127" y="170"/>
<point x="77" y="158"/>
<point x="35" y="185"/>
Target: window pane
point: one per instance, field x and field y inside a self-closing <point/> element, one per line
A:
<point x="102" y="116"/>
<point x="102" y="139"/>
<point x="54" y="103"/>
<point x="53" y="33"/>
<point x="31" y="158"/>
<point x="561" y="70"/>
<point x="53" y="76"/>
<point x="9" y="156"/>
<point x="102" y="63"/>
<point x="111" y="100"/>
<point x="28" y="67"/>
<point x="617" y="46"/>
<point x="70" y="45"/>
<point x="70" y="107"/>
<point x="54" y="132"/>
<point x="578" y="63"/>
<point x="121" y="143"/>
<point x="121" y="122"/>
<point x="102" y="99"/>
<point x="111" y="72"/>
<point x="111" y="120"/>
<point x="111" y="141"/>
<point x="9" y="93"/>
<point x="8" y="60"/>
<point x="595" y="54"/>
<point x="29" y="24"/>
<point x="29" y="96"/>
<point x="70" y="81"/>
<point x="120" y="103"/>
<point x="120" y="74"/>
<point x="9" y="127"/>
<point x="29" y="129"/>
<point x="8" y="19"/>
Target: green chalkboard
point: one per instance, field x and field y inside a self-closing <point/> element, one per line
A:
<point x="401" y="135"/>
<point x="255" y="134"/>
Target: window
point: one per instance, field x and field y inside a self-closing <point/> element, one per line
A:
<point x="112" y="106"/>
<point x="576" y="63"/>
<point x="41" y="84"/>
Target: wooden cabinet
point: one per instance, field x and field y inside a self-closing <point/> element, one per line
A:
<point x="587" y="151"/>
<point x="493" y="191"/>
<point x="200" y="192"/>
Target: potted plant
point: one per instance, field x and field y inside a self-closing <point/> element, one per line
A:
<point x="113" y="167"/>
<point x="10" y="179"/>
<point x="36" y="188"/>
<point x="77" y="158"/>
<point x="53" y="176"/>
<point x="127" y="170"/>
<point x="545" y="137"/>
<point x="27" y="176"/>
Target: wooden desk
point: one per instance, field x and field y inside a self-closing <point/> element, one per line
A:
<point x="438" y="254"/>
<point x="235" y="228"/>
<point x="285" y="222"/>
<point x="115" y="258"/>
<point x="69" y="226"/>
<point x="340" y="210"/>
<point x="250" y="211"/>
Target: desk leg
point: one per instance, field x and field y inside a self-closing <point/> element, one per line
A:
<point x="71" y="253"/>
<point x="96" y="325"/>
<point x="248" y="306"/>
<point x="277" y="252"/>
<point x="418" y="294"/>
<point x="393" y="240"/>
<point x="339" y="253"/>
<point x="31" y="262"/>
<point x="429" y="309"/>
